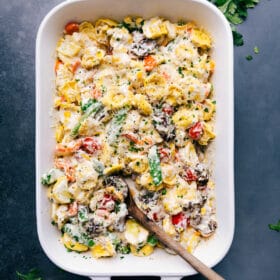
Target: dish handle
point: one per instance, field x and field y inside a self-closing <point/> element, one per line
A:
<point x="109" y="277"/>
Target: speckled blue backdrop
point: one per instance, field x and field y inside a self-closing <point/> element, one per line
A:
<point x="255" y="252"/>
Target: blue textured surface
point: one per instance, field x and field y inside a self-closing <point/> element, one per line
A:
<point x="255" y="252"/>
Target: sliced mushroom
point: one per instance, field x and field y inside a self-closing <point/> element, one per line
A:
<point x="142" y="46"/>
<point x="163" y="124"/>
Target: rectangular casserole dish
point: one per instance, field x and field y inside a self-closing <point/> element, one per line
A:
<point x="160" y="263"/>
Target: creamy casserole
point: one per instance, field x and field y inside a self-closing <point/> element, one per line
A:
<point x="133" y="99"/>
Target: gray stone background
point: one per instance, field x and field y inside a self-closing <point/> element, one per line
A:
<point x="255" y="252"/>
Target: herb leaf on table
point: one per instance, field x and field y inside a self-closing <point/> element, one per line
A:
<point x="236" y="12"/>
<point x="33" y="274"/>
<point x="275" y="226"/>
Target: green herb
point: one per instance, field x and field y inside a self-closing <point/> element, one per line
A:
<point x="33" y="274"/>
<point x="117" y="207"/>
<point x="45" y="180"/>
<point x="154" y="164"/>
<point x="206" y="110"/>
<point x="236" y="12"/>
<point x="152" y="240"/>
<point x="91" y="243"/>
<point x="78" y="236"/>
<point x="181" y="22"/>
<point x="131" y="27"/>
<point x="92" y="109"/>
<point x="116" y="125"/>
<point x="51" y="176"/>
<point x="237" y="38"/>
<point x="83" y="214"/>
<point x="122" y="248"/>
<point x="256" y="50"/>
<point x="88" y="104"/>
<point x="249" y="57"/>
<point x="163" y="191"/>
<point x="132" y="147"/>
<point x="180" y="69"/>
<point x="275" y="226"/>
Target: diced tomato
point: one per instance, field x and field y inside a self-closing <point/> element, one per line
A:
<point x="64" y="164"/>
<point x="178" y="218"/>
<point x="195" y="132"/>
<point x="71" y="27"/>
<point x="155" y="217"/>
<point x="131" y="137"/>
<point x="149" y="63"/>
<point x="73" y="209"/>
<point x="90" y="145"/>
<point x="96" y="93"/>
<point x="57" y="65"/>
<point x="167" y="109"/>
<point x="107" y="196"/>
<point x="164" y="153"/>
<point x="106" y="199"/>
<point x="190" y="175"/>
<point x="75" y="66"/>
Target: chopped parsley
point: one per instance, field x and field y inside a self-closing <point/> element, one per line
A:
<point x="181" y="22"/>
<point x="90" y="243"/>
<point x="256" y="50"/>
<point x="249" y="57"/>
<point x="180" y="71"/>
<point x="163" y="191"/>
<point x="45" y="180"/>
<point x="152" y="240"/>
<point x="117" y="207"/>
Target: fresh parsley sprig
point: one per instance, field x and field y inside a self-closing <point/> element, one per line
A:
<point x="275" y="226"/>
<point x="33" y="274"/>
<point x="236" y="12"/>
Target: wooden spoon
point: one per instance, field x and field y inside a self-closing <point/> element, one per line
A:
<point x="152" y="227"/>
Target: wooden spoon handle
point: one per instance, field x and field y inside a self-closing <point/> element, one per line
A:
<point x="135" y="212"/>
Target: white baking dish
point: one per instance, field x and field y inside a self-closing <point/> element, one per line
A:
<point x="160" y="263"/>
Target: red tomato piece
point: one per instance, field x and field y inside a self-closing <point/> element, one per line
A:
<point x="164" y="153"/>
<point x="195" y="132"/>
<point x="178" y="218"/>
<point x="131" y="137"/>
<point x="155" y="217"/>
<point x="90" y="145"/>
<point x="73" y="209"/>
<point x="149" y="63"/>
<point x="75" y="66"/>
<point x="71" y="27"/>
<point x="167" y="109"/>
<point x="190" y="175"/>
